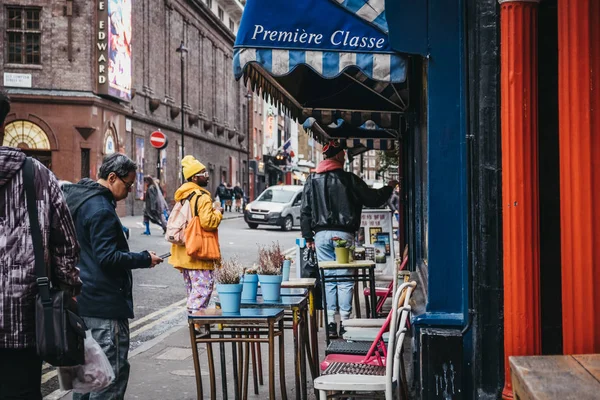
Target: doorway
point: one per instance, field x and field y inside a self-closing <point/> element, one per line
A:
<point x="44" y="157"/>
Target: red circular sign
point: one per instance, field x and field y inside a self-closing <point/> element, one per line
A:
<point x="158" y="140"/>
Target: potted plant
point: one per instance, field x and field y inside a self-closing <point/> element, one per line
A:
<point x="250" y="282"/>
<point x="342" y="250"/>
<point x="270" y="271"/>
<point x="229" y="288"/>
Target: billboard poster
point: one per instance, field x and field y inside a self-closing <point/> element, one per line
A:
<point x="139" y="159"/>
<point x="113" y="47"/>
<point x="376" y="235"/>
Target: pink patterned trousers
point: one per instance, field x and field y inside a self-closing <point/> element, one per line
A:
<point x="199" y="287"/>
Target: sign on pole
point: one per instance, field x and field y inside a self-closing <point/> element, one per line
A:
<point x="158" y="140"/>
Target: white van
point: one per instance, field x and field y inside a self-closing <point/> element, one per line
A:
<point x="277" y="205"/>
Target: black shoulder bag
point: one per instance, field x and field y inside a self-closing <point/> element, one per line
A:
<point x="309" y="268"/>
<point x="59" y="330"/>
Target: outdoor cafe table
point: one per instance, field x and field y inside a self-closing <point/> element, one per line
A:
<point x="360" y="271"/>
<point x="291" y="288"/>
<point x="298" y="305"/>
<point x="567" y="377"/>
<point x="251" y="325"/>
<point x="309" y="284"/>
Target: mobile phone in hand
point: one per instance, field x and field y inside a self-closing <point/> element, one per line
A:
<point x="166" y="255"/>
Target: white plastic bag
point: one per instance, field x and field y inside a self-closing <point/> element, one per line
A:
<point x="93" y="376"/>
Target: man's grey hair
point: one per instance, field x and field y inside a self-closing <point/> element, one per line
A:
<point x="118" y="163"/>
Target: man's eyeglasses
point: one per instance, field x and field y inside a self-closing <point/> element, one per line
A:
<point x="128" y="185"/>
<point x="205" y="174"/>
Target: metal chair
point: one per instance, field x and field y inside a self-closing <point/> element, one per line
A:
<point x="354" y="377"/>
<point x="363" y="352"/>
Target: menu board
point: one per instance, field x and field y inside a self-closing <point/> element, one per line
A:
<point x="376" y="235"/>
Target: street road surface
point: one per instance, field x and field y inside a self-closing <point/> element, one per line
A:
<point x="159" y="293"/>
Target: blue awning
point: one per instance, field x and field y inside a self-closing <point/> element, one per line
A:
<point x="368" y="136"/>
<point x="318" y="57"/>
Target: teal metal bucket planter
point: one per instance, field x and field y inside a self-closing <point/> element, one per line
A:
<point x="287" y="264"/>
<point x="270" y="286"/>
<point x="250" y="282"/>
<point x="230" y="297"/>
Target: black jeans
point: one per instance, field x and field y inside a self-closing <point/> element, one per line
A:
<point x="20" y="374"/>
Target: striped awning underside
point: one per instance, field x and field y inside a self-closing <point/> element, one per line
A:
<point x="389" y="68"/>
<point x="354" y="118"/>
<point x="312" y="127"/>
<point x="371" y="144"/>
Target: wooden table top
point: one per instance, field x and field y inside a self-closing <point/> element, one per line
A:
<point x="245" y="313"/>
<point x="299" y="283"/>
<point x="556" y="377"/>
<point x="353" y="264"/>
<point x="288" y="291"/>
<point x="284" y="301"/>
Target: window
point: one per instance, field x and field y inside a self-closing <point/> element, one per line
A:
<point x="276" y="196"/>
<point x="231" y="25"/>
<point x="24" y="33"/>
<point x="25" y="135"/>
<point x="209" y="3"/>
<point x="221" y="14"/>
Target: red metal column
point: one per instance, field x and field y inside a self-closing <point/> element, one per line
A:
<point x="579" y="131"/>
<point x="520" y="208"/>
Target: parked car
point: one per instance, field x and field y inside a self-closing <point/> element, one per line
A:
<point x="277" y="205"/>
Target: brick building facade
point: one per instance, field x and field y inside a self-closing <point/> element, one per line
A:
<point x="50" y="67"/>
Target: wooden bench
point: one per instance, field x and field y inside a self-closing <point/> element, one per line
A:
<point x="574" y="377"/>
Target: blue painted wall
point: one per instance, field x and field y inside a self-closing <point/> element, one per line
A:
<point x="447" y="302"/>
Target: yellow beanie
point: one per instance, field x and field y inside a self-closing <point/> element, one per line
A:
<point x="191" y="166"/>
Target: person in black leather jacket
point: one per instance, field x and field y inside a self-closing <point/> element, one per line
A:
<point x="332" y="203"/>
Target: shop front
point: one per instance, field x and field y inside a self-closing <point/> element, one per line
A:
<point x="417" y="78"/>
<point x="69" y="135"/>
<point x="331" y="65"/>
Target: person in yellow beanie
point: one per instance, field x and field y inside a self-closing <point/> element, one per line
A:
<point x="197" y="274"/>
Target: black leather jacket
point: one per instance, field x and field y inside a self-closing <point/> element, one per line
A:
<point x="334" y="200"/>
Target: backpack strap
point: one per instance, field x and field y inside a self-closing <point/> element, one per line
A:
<point x="195" y="210"/>
<point x="189" y="198"/>
<point x="36" y="233"/>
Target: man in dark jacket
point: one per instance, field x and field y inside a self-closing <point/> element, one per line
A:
<point x="106" y="301"/>
<point x="221" y="193"/>
<point x="332" y="204"/>
<point x="20" y="366"/>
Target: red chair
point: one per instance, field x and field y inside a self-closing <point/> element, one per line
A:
<point x="375" y="355"/>
<point x="378" y="350"/>
<point x="382" y="293"/>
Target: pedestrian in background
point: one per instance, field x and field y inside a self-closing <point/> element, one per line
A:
<point x="221" y="193"/>
<point x="20" y="366"/>
<point x="238" y="195"/>
<point x="332" y="203"/>
<point x="394" y="204"/>
<point x="154" y="206"/>
<point x="197" y="274"/>
<point x="228" y="197"/>
<point x="106" y="301"/>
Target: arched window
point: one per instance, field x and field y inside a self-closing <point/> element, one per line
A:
<point x="25" y="135"/>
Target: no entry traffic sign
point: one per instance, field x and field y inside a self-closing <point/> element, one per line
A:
<point x="158" y="140"/>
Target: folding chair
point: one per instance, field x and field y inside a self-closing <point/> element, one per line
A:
<point x="360" y="377"/>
